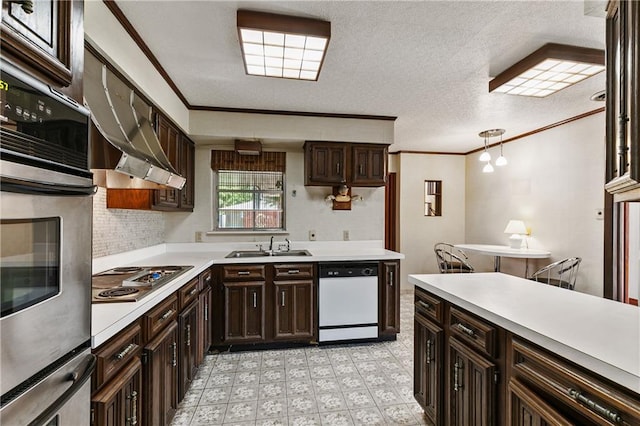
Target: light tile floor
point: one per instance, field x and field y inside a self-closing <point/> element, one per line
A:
<point x="360" y="384"/>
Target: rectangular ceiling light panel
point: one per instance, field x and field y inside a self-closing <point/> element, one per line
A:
<point x="282" y="46"/>
<point x="549" y="69"/>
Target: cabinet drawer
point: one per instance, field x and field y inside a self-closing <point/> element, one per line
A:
<point x="593" y="399"/>
<point x="188" y="293"/>
<point x="159" y="317"/>
<point x="243" y="272"/>
<point x="428" y="306"/>
<point x="475" y="332"/>
<point x="294" y="270"/>
<point x="116" y="353"/>
<point x="206" y="280"/>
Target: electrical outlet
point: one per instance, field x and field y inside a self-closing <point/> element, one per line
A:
<point x="345" y="235"/>
<point x="312" y="235"/>
<point x="199" y="237"/>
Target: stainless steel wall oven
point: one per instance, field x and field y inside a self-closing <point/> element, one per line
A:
<point x="45" y="254"/>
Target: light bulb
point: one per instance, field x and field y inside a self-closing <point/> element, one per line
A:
<point x="488" y="168"/>
<point x="501" y="161"/>
<point x="485" y="156"/>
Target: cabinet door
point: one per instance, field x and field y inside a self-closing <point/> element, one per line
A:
<point x="389" y="308"/>
<point x="294" y="310"/>
<point x="369" y="165"/>
<point x="188" y="348"/>
<point x="205" y="328"/>
<point x="526" y="408"/>
<point x="428" y="368"/>
<point x="244" y="311"/>
<point x="168" y="137"/>
<point x="187" y="170"/>
<point x="42" y="39"/>
<point x="325" y="163"/>
<point x="118" y="403"/>
<point x="473" y="391"/>
<point x="160" y="375"/>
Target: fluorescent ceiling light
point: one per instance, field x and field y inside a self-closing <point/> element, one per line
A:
<point x="282" y="46"/>
<point x="549" y="69"/>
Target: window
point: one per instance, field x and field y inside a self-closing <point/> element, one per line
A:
<point x="250" y="200"/>
<point x="249" y="191"/>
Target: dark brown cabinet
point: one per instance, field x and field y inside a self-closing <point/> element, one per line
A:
<point x="623" y="99"/>
<point x="244" y="312"/>
<point x="205" y="327"/>
<point x="119" y="403"/>
<point x="48" y="41"/>
<point x="528" y="409"/>
<point x="389" y="309"/>
<point x="428" y="362"/>
<point x="294" y="305"/>
<point x="351" y="164"/>
<point x="181" y="154"/>
<point x="472" y="389"/>
<point x="188" y="347"/>
<point x="161" y="377"/>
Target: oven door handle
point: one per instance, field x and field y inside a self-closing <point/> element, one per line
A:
<point x="78" y="382"/>
<point x="34" y="187"/>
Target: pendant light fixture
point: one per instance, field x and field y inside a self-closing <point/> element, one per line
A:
<point x="485" y="156"/>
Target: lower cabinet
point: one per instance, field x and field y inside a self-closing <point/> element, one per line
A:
<point x="205" y="324"/>
<point x="244" y="312"/>
<point x="428" y="374"/>
<point x="389" y="306"/>
<point x="119" y="403"/>
<point x="188" y="347"/>
<point x="468" y="371"/>
<point x="294" y="310"/>
<point x="161" y="377"/>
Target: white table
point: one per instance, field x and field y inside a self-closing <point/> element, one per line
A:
<point x="504" y="251"/>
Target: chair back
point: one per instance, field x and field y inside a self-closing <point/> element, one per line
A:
<point x="562" y="273"/>
<point x="451" y="259"/>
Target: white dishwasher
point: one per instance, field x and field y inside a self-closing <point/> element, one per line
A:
<point x="347" y="301"/>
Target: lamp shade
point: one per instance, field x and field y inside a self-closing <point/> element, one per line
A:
<point x="515" y="227"/>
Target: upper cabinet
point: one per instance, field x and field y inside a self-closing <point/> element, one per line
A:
<point x="623" y="99"/>
<point x="351" y="164"/>
<point x="46" y="37"/>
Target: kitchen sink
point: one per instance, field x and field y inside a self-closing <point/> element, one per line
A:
<point x="257" y="253"/>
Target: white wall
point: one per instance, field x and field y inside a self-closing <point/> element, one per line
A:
<point x="418" y="233"/>
<point x="634" y="250"/>
<point x="554" y="183"/>
<point x="306" y="211"/>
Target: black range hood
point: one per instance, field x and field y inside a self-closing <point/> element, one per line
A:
<point x="124" y="120"/>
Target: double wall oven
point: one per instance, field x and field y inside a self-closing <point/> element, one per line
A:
<point x="45" y="254"/>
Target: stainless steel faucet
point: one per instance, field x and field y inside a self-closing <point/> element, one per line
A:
<point x="288" y="244"/>
<point x="271" y="244"/>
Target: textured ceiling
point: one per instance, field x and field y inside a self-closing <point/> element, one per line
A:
<point x="428" y="63"/>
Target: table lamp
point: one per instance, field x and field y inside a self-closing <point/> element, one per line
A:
<point x="516" y="228"/>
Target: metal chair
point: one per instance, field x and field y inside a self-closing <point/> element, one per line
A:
<point x="451" y="259"/>
<point x="560" y="274"/>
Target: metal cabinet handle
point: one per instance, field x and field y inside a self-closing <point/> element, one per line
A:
<point x="390" y="278"/>
<point x="597" y="408"/>
<point x="428" y="351"/>
<point x="425" y="305"/>
<point x="166" y="315"/>
<point x="133" y="420"/>
<point x="293" y="271"/>
<point x="255" y="299"/>
<point x="457" y="369"/>
<point x="174" y="355"/>
<point x="125" y="351"/>
<point x="282" y="298"/>
<point x="188" y="342"/>
<point x="466" y="329"/>
<point x="206" y="311"/>
<point x="244" y="273"/>
<point x="194" y="291"/>
<point x="361" y="168"/>
<point x="337" y="168"/>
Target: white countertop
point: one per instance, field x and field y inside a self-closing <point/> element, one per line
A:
<point x="596" y="333"/>
<point x="107" y="319"/>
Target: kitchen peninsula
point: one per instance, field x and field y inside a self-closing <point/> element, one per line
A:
<point x="508" y="349"/>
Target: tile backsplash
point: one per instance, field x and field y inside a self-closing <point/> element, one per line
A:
<point x="120" y="230"/>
